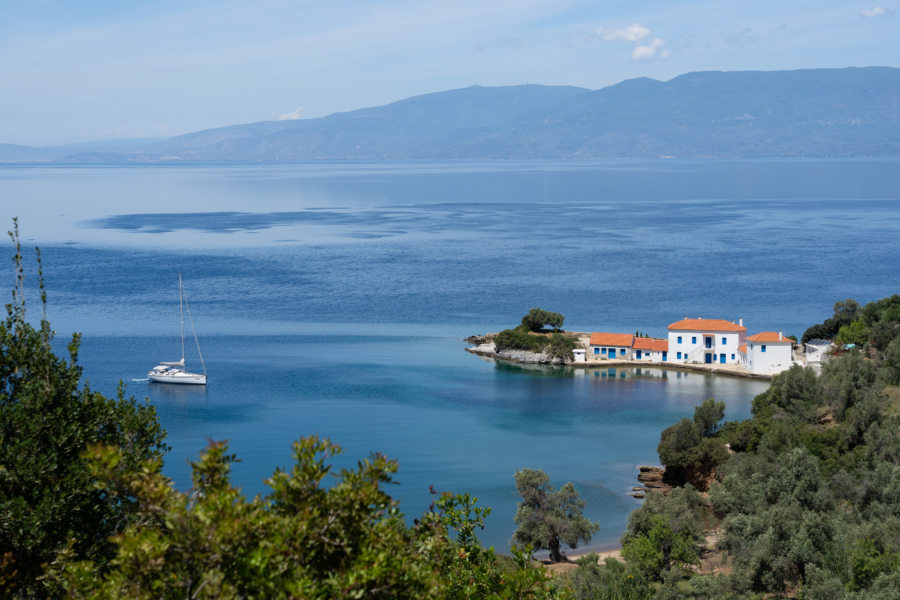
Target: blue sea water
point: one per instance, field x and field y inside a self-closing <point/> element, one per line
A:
<point x="333" y="298"/>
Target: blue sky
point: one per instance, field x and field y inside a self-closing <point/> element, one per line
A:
<point x="84" y="70"/>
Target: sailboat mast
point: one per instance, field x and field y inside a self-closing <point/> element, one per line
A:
<point x="181" y="313"/>
<point x="187" y="305"/>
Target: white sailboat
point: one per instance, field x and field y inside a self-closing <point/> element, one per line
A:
<point x="175" y="372"/>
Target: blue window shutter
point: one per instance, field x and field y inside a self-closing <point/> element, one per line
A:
<point x="724" y="340"/>
<point x="679" y="340"/>
<point x="621" y="350"/>
<point x="679" y="355"/>
<point x="694" y="339"/>
<point x="763" y="349"/>
<point x="596" y="350"/>
<point x="732" y="357"/>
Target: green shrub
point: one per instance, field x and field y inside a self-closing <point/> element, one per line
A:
<point x="560" y="346"/>
<point x="516" y="339"/>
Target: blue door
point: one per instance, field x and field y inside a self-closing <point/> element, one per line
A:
<point x="665" y="356"/>
<point x="709" y="358"/>
<point x="637" y="354"/>
<point x="722" y="358"/>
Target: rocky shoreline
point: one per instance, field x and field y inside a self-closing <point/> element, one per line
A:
<point x="484" y="346"/>
<point x="653" y="480"/>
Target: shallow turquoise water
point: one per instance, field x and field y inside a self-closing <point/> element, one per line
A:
<point x="333" y="299"/>
<point x="452" y="420"/>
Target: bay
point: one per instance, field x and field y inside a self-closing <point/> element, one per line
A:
<point x="332" y="298"/>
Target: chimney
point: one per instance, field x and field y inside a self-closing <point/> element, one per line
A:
<point x="741" y="321"/>
<point x="780" y="336"/>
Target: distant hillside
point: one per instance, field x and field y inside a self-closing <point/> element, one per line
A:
<point x="112" y="150"/>
<point x="820" y="112"/>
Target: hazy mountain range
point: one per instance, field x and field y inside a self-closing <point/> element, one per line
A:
<point x="818" y="112"/>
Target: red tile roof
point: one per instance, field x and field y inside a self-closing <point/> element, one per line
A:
<point x="652" y="344"/>
<point x="611" y="339"/>
<point x="707" y="325"/>
<point x="769" y="337"/>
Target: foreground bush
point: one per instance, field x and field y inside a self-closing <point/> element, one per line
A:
<point x="306" y="539"/>
<point x="50" y="508"/>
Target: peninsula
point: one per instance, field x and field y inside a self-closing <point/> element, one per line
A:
<point x="696" y="344"/>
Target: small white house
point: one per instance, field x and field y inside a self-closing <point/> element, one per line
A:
<point x="650" y="349"/>
<point x="578" y="355"/>
<point x="706" y="341"/>
<point x="769" y="352"/>
<point x="817" y="350"/>
<point x="610" y="346"/>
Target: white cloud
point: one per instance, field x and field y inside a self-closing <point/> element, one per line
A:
<point x="632" y="33"/>
<point x="649" y="51"/>
<point x="291" y="116"/>
<point x="871" y="13"/>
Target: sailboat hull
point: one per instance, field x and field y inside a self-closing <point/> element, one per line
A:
<point x="179" y="378"/>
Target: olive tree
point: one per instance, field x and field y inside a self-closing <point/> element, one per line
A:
<point x="537" y="318"/>
<point x="547" y="518"/>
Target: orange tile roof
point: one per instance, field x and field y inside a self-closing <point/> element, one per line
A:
<point x="707" y="325"/>
<point x="769" y="337"/>
<point x="611" y="339"/>
<point x="652" y="344"/>
<point x="742" y="348"/>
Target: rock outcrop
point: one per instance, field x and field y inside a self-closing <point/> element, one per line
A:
<point x="653" y="479"/>
<point x="519" y="356"/>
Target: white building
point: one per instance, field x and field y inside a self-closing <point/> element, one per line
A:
<point x="768" y="352"/>
<point x="706" y="341"/>
<point x="610" y="345"/>
<point x="650" y="349"/>
<point x="817" y="350"/>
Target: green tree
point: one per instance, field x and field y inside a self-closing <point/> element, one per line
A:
<point x="664" y="533"/>
<point x="708" y="415"/>
<point x="548" y="518"/>
<point x="868" y="560"/>
<point x="318" y="534"/>
<point x="537" y="318"/>
<point x="688" y="456"/>
<point x="466" y="570"/>
<point x="854" y="333"/>
<point x="346" y="541"/>
<point x="612" y="581"/>
<point x="848" y="307"/>
<point x="795" y="394"/>
<point x="660" y="549"/>
<point x="777" y="517"/>
<point x="50" y="507"/>
<point x="892" y="361"/>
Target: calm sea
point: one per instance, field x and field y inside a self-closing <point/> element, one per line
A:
<point x="333" y="299"/>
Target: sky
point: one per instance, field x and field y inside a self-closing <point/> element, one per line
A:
<point x="83" y="70"/>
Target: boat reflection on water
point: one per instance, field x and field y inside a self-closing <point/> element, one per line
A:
<point x="176" y="393"/>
